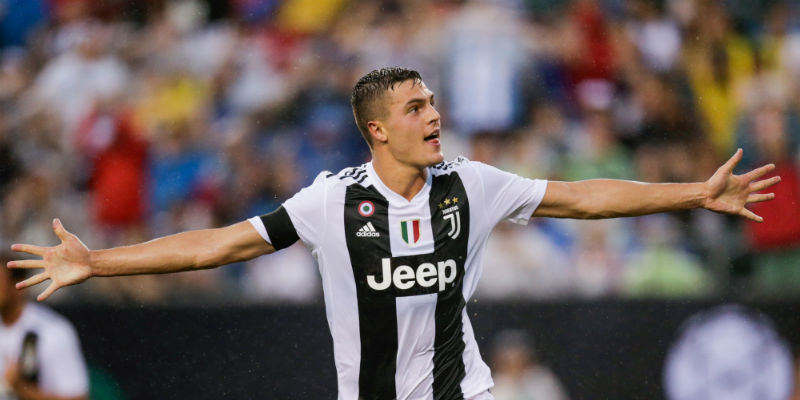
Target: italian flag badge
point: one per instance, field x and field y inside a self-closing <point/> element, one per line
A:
<point x="410" y="231"/>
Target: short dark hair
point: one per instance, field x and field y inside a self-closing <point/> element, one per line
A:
<point x="371" y="88"/>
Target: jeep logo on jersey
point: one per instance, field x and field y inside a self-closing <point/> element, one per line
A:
<point x="409" y="230"/>
<point x="405" y="278"/>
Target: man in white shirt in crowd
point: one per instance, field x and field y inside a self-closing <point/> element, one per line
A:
<point x="51" y="366"/>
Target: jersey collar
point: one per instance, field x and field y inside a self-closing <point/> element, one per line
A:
<point x="390" y="194"/>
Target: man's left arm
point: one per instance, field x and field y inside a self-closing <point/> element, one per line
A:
<point x="724" y="192"/>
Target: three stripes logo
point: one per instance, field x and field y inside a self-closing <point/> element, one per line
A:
<point x="409" y="230"/>
<point x="368" y="231"/>
<point x="359" y="174"/>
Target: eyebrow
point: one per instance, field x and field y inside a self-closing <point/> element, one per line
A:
<point x="419" y="100"/>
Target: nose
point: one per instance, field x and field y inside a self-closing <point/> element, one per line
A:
<point x="433" y="115"/>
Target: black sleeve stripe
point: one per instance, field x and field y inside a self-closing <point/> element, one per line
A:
<point x="279" y="228"/>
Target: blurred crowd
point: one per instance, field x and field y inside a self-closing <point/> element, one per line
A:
<point x="132" y="119"/>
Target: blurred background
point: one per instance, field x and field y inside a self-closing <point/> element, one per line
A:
<point x="131" y="119"/>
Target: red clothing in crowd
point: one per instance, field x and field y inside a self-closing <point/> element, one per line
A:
<point x="118" y="154"/>
<point x="781" y="226"/>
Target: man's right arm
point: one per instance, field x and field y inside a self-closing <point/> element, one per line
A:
<point x="199" y="249"/>
<point x="71" y="262"/>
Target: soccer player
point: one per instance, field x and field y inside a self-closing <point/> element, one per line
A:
<point x="40" y="354"/>
<point x="399" y="242"/>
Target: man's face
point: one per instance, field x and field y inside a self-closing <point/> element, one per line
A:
<point x="412" y="125"/>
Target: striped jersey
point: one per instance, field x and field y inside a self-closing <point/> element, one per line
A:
<point x="397" y="274"/>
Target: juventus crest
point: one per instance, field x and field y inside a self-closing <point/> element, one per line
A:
<point x="451" y="213"/>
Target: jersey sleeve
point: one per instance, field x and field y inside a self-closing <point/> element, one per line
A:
<point x="509" y="196"/>
<point x="298" y="218"/>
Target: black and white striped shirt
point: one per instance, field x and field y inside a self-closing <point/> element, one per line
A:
<point x="397" y="274"/>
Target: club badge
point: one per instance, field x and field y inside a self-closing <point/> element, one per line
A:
<point x="450" y="212"/>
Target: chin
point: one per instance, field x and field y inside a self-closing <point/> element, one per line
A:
<point x="435" y="159"/>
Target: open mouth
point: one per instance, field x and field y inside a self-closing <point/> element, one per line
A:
<point x="433" y="138"/>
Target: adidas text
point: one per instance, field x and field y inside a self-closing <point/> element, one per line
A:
<point x="368" y="230"/>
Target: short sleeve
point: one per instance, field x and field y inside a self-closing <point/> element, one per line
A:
<point x="298" y="217"/>
<point x="63" y="367"/>
<point x="509" y="196"/>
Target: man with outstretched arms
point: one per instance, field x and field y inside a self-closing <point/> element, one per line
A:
<point x="398" y="241"/>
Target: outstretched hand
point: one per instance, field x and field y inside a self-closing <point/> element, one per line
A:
<point x="64" y="265"/>
<point x="728" y="193"/>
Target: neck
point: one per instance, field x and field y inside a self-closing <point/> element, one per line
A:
<point x="11" y="313"/>
<point x="402" y="179"/>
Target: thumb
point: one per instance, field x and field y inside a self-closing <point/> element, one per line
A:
<point x="731" y="163"/>
<point x="58" y="228"/>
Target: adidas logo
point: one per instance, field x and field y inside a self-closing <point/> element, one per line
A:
<point x="368" y="231"/>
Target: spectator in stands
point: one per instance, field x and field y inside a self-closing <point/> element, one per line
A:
<point x="776" y="246"/>
<point x="718" y="63"/>
<point x="518" y="374"/>
<point x="115" y="153"/>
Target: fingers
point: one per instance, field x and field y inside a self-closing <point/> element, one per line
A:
<point x="34" y="280"/>
<point x="750" y="215"/>
<point x="59" y="229"/>
<point x="755" y="198"/>
<point x="50" y="289"/>
<point x="763" y="184"/>
<point x="29" y="248"/>
<point x="26" y="264"/>
<point x="759" y="172"/>
<point x="731" y="163"/>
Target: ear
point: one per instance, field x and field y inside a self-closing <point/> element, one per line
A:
<point x="377" y="131"/>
